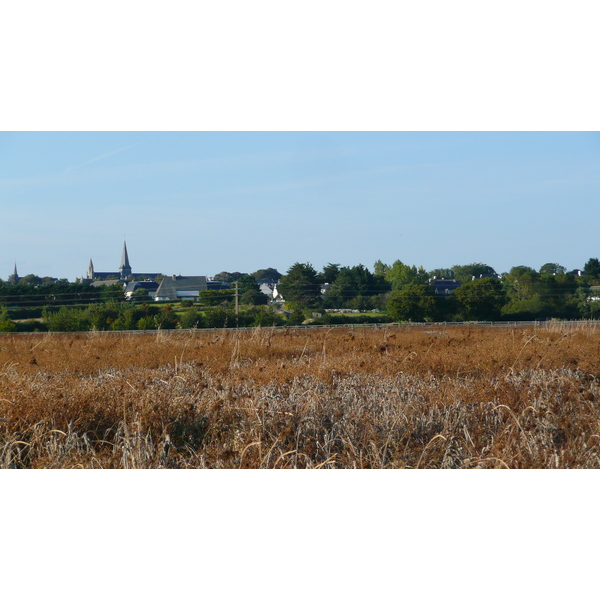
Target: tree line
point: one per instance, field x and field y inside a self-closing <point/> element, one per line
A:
<point x="407" y="294"/>
<point x="391" y="292"/>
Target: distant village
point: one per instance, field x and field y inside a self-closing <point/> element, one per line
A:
<point x="158" y="286"/>
<point x="163" y="288"/>
<point x="400" y="291"/>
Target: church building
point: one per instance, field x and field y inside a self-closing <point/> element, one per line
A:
<point x="176" y="287"/>
<point x="125" y="272"/>
<point x="14" y="278"/>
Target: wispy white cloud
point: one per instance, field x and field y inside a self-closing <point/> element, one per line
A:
<point x="101" y="157"/>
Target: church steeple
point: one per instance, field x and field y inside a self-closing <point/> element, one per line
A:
<point x="14" y="278"/>
<point x="90" y="273"/>
<point x="125" y="268"/>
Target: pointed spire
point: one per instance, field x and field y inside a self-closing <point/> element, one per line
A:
<point x="125" y="268"/>
<point x="125" y="258"/>
<point x="14" y="278"/>
<point x="90" y="273"/>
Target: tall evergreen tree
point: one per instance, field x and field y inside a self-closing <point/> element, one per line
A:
<point x="300" y="284"/>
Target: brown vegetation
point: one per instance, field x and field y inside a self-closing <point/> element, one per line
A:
<point x="463" y="397"/>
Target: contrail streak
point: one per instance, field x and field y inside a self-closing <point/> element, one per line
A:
<point x="102" y="156"/>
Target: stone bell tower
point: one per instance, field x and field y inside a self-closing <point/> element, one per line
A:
<point x="125" y="268"/>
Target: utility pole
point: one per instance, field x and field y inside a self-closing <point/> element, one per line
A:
<point x="237" y="306"/>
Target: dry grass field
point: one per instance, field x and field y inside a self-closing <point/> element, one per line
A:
<point x="465" y="397"/>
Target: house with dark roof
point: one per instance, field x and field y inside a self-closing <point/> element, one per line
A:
<point x="186" y="288"/>
<point x="178" y="286"/>
<point x="443" y="286"/>
<point x="149" y="286"/>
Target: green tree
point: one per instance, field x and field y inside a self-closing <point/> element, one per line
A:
<point x="552" y="269"/>
<point x="228" y="277"/>
<point x="521" y="283"/>
<point x="400" y="275"/>
<point x="363" y="303"/>
<point x="527" y="310"/>
<point x="191" y="319"/>
<point x="219" y="317"/>
<point x="112" y="292"/>
<point x="31" y="279"/>
<point x="140" y="295"/>
<point x="166" y="318"/>
<point x="350" y="283"/>
<point x="379" y="268"/>
<point x="330" y="272"/>
<point x="66" y="319"/>
<point x="558" y="292"/>
<point x="249" y="291"/>
<point x="101" y="316"/>
<point x="298" y="314"/>
<point x="442" y="273"/>
<point x="591" y="270"/>
<point x="145" y="323"/>
<point x="381" y="284"/>
<point x="464" y="273"/>
<point x="6" y="324"/>
<point x="215" y="297"/>
<point x="269" y="274"/>
<point x="265" y="317"/>
<point x="414" y="302"/>
<point x="129" y="316"/>
<point x="480" y="299"/>
<point x="587" y="307"/>
<point x="300" y="285"/>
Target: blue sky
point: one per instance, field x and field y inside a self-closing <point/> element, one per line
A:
<point x="201" y="203"/>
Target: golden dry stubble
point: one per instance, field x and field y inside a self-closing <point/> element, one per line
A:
<point x="368" y="397"/>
